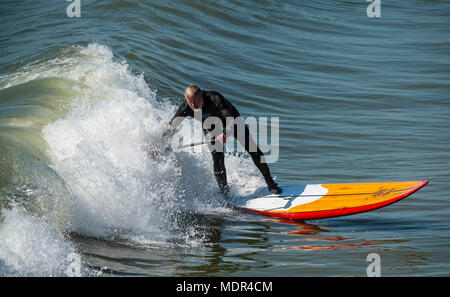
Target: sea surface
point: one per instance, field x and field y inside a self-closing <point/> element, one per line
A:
<point x="84" y="99"/>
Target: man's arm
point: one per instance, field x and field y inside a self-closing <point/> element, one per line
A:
<point x="183" y="111"/>
<point x="227" y="111"/>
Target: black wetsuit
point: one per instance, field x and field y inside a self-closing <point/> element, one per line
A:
<point x="216" y="105"/>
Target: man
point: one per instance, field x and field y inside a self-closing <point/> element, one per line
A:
<point x="213" y="104"/>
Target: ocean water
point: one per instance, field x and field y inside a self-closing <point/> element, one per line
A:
<point x="83" y="99"/>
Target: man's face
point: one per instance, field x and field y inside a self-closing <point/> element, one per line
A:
<point x="195" y="102"/>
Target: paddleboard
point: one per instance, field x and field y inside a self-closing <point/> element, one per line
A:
<point x="319" y="201"/>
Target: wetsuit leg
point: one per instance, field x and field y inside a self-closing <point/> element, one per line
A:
<point x="255" y="153"/>
<point x="220" y="171"/>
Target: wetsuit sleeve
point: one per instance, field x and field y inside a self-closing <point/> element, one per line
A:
<point x="227" y="110"/>
<point x="183" y="111"/>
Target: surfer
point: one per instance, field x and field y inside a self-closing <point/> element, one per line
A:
<point x="213" y="104"/>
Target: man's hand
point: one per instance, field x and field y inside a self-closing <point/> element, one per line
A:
<point x="222" y="138"/>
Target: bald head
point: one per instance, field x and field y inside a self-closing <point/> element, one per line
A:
<point x="194" y="97"/>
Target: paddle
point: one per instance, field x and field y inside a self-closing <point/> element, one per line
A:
<point x="193" y="144"/>
<point x="156" y="153"/>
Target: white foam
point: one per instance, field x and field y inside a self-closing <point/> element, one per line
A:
<point x="30" y="246"/>
<point x="99" y="150"/>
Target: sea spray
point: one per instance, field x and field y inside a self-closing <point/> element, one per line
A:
<point x="30" y="246"/>
<point x="89" y="171"/>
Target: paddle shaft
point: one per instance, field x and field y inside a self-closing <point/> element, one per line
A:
<point x="156" y="153"/>
<point x="193" y="144"/>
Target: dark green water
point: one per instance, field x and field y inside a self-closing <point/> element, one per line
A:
<point x="359" y="99"/>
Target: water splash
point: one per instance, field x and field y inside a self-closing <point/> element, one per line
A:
<point x="88" y="171"/>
